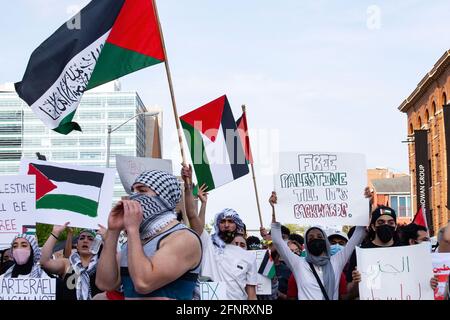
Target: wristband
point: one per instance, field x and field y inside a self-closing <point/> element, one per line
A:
<point x="54" y="236"/>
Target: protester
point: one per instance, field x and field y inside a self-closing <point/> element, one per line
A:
<point x="300" y="240"/>
<point x="239" y="241"/>
<point x="6" y="260"/>
<point x="414" y="234"/>
<point x="443" y="239"/>
<point x="26" y="254"/>
<point x="161" y="259"/>
<point x="253" y="243"/>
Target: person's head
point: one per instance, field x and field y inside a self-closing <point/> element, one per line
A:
<point x="25" y="250"/>
<point x="285" y="232"/>
<point x="414" y="234"/>
<point x="443" y="245"/>
<point x="7" y="256"/>
<point x="383" y="225"/>
<point x="239" y="241"/>
<point x="298" y="238"/>
<point x="228" y="224"/>
<point x="253" y="243"/>
<point x="316" y="242"/>
<point x="84" y="242"/>
<point x="338" y="240"/>
<point x="295" y="247"/>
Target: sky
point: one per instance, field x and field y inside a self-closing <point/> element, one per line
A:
<point x="315" y="75"/>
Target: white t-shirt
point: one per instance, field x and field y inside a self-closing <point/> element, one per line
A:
<point x="234" y="265"/>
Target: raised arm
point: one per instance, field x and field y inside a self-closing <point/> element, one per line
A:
<point x="195" y="221"/>
<point x="68" y="247"/>
<point x="53" y="266"/>
<point x="343" y="256"/>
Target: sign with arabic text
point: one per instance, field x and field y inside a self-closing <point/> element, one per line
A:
<point x="441" y="269"/>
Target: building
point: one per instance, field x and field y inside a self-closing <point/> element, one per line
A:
<point x="23" y="134"/>
<point x="424" y="109"/>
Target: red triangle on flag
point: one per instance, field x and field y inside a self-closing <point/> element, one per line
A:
<point x="420" y="218"/>
<point x="43" y="184"/>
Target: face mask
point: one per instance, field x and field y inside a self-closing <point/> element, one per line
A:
<point x="317" y="246"/>
<point x="21" y="256"/>
<point x="227" y="236"/>
<point x="335" y="248"/>
<point x="385" y="233"/>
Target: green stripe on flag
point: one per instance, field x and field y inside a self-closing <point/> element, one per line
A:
<point x="115" y="62"/>
<point x="66" y="125"/>
<point x="272" y="272"/>
<point x="68" y="202"/>
<point x="197" y="148"/>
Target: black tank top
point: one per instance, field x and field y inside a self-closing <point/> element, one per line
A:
<point x="66" y="288"/>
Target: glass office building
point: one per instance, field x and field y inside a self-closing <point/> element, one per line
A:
<point x="23" y="134"/>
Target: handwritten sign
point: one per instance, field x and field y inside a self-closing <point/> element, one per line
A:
<point x="441" y="268"/>
<point x="17" y="206"/>
<point x="213" y="291"/>
<point x="320" y="188"/>
<point x="80" y="195"/>
<point x="129" y="168"/>
<point x="27" y="289"/>
<point x="399" y="273"/>
<point x="264" y="284"/>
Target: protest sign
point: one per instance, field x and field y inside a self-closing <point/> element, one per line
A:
<point x="441" y="269"/>
<point x="213" y="291"/>
<point x="80" y="195"/>
<point x="321" y="188"/>
<point x="264" y="284"/>
<point x="129" y="168"/>
<point x="395" y="273"/>
<point x="17" y="206"/>
<point x="27" y="288"/>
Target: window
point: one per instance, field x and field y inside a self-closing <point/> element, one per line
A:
<point x="444" y="99"/>
<point x="419" y="120"/>
<point x="433" y="108"/>
<point x="401" y="205"/>
<point x="427" y="116"/>
<point x="411" y="128"/>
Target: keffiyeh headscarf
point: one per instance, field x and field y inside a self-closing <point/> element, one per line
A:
<point x="36" y="271"/>
<point x="226" y="213"/>
<point x="83" y="285"/>
<point x="158" y="211"/>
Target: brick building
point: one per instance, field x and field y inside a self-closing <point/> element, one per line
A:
<point x="424" y="109"/>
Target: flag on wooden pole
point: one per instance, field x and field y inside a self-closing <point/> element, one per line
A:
<point x="242" y="128"/>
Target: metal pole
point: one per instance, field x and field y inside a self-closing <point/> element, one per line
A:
<point x="108" y="145"/>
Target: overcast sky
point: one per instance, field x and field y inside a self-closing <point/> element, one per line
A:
<point x="315" y="75"/>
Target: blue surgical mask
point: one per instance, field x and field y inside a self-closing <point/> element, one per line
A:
<point x="335" y="248"/>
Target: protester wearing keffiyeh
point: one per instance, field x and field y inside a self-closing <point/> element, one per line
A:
<point x="31" y="267"/>
<point x="83" y="286"/>
<point x="219" y="236"/>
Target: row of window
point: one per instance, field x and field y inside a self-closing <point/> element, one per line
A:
<point x="427" y="114"/>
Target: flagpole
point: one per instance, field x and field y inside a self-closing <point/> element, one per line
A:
<point x="254" y="178"/>
<point x="169" y="79"/>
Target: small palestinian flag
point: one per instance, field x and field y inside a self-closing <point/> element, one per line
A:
<point x="29" y="230"/>
<point x="215" y="145"/>
<point x="267" y="267"/>
<point x="113" y="38"/>
<point x="67" y="189"/>
<point x="242" y="128"/>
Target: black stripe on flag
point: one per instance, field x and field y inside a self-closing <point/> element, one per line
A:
<point x="49" y="60"/>
<point x="264" y="263"/>
<point x="87" y="178"/>
<point x="236" y="153"/>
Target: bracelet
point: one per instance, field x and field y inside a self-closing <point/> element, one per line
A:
<point x="54" y="236"/>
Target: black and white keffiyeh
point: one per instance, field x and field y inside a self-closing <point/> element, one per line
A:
<point x="83" y="285"/>
<point x="36" y="271"/>
<point x="226" y="213"/>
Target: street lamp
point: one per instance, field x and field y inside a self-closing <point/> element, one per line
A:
<point x="111" y="130"/>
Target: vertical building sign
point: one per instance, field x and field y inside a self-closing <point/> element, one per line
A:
<point x="447" y="146"/>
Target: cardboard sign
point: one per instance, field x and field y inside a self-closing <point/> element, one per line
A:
<point x="264" y="285"/>
<point x="129" y="168"/>
<point x="213" y="291"/>
<point x="27" y="289"/>
<point x="441" y="269"/>
<point x="80" y="195"/>
<point x="17" y="206"/>
<point x="398" y="273"/>
<point x="322" y="188"/>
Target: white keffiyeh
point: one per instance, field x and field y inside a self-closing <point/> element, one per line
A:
<point x="83" y="285"/>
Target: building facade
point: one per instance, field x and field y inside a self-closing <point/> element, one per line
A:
<point x="424" y="110"/>
<point x="22" y="134"/>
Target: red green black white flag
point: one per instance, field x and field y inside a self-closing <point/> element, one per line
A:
<point x="242" y="128"/>
<point x="115" y="38"/>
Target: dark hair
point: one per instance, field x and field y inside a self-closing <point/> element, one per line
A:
<point x="253" y="243"/>
<point x="285" y="230"/>
<point x="179" y="216"/>
<point x="410" y="232"/>
<point x="296" y="237"/>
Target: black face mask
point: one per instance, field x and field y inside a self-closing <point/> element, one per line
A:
<point x="385" y="233"/>
<point x="317" y="246"/>
<point x="227" y="236"/>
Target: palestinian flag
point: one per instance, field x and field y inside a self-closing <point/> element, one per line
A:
<point x="29" y="230"/>
<point x="215" y="145"/>
<point x="242" y="128"/>
<point x="67" y="189"/>
<point x="267" y="267"/>
<point x="114" y="38"/>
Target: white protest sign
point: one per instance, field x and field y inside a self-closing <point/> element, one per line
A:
<point x="322" y="188"/>
<point x="264" y="284"/>
<point x="213" y="291"/>
<point x="397" y="273"/>
<point x="80" y="195"/>
<point x="17" y="206"/>
<point x="441" y="269"/>
<point x="27" y="289"/>
<point x="129" y="168"/>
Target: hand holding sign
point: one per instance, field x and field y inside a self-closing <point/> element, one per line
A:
<point x="57" y="230"/>
<point x="273" y="200"/>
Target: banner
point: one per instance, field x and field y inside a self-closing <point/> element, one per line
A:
<point x="17" y="206"/>
<point x="446" y="110"/>
<point x="264" y="284"/>
<point x="398" y="273"/>
<point x="129" y="168"/>
<point x="213" y="291"/>
<point x="441" y="269"/>
<point x="322" y="188"/>
<point x="75" y="194"/>
<point x="422" y="175"/>
<point x="27" y="289"/>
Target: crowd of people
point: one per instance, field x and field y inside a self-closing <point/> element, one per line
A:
<point x="165" y="259"/>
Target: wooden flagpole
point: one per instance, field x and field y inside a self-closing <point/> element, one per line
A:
<point x="254" y="177"/>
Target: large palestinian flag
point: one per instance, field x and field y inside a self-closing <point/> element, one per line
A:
<point x="114" y="38"/>
<point x="215" y="145"/>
